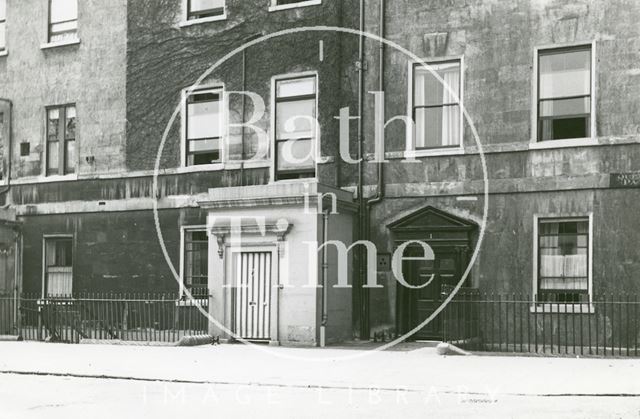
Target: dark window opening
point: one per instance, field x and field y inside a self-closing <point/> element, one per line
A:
<point x="196" y="263"/>
<point x="25" y="149"/>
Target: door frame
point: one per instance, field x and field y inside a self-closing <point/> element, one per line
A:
<point x="406" y="307"/>
<point x="230" y="295"/>
<point x="411" y="227"/>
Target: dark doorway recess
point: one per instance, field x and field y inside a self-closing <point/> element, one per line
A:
<point x="451" y="239"/>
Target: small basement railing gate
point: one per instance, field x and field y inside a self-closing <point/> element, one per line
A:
<point x="148" y="317"/>
<point x="609" y="326"/>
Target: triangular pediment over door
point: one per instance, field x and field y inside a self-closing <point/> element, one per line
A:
<point x="434" y="221"/>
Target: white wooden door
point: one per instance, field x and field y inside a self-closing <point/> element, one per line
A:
<point x="252" y="309"/>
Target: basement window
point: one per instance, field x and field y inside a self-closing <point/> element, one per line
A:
<point x="564" y="93"/>
<point x="196" y="262"/>
<point x="61" y="140"/>
<point x="203" y="9"/>
<point x="563" y="260"/>
<point x="58" y="258"/>
<point x="204" y="127"/>
<point x="63" y="20"/>
<point x="296" y="127"/>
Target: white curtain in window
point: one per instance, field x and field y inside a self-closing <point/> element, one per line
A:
<point x="420" y="140"/>
<point x="450" y="114"/>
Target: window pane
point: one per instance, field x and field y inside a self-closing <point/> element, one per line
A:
<point x="203" y="158"/>
<point x="564" y="128"/>
<point x="196" y="258"/>
<point x="70" y="128"/>
<point x="59" y="28"/>
<point x="296" y="154"/>
<point x="203" y="152"/>
<point x="63" y="10"/>
<point x="563" y="256"/>
<point x="203" y="116"/>
<point x="437" y="127"/>
<point x="3" y="35"/>
<point x="201" y="5"/>
<point x="431" y="91"/>
<point x="53" y="121"/>
<point x="3" y="9"/>
<point x="565" y="74"/>
<point x="70" y="157"/>
<point x="203" y="145"/>
<point x="59" y="252"/>
<point x="297" y="87"/>
<point x="53" y="157"/>
<point x="295" y="119"/>
<point x="564" y="107"/>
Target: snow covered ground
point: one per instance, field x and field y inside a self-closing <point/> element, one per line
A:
<point x="240" y="381"/>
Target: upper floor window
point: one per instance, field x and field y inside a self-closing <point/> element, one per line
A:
<point x="436" y="106"/>
<point x="63" y="20"/>
<point x="204" y="127"/>
<point x="286" y="4"/>
<point x="3" y="25"/>
<point x="563" y="248"/>
<point x="564" y="93"/>
<point x="296" y="128"/>
<point x="201" y="9"/>
<point x="61" y="140"/>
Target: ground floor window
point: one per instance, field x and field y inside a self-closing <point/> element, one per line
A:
<point x="196" y="263"/>
<point x="58" y="257"/>
<point x="563" y="265"/>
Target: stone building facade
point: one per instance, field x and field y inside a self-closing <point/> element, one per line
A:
<point x="107" y="125"/>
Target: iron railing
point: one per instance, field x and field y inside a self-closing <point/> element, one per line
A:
<point x="150" y="317"/>
<point x="607" y="326"/>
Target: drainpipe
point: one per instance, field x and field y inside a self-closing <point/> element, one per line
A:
<point x="380" y="169"/>
<point x="10" y="157"/>
<point x="17" y="282"/>
<point x="325" y="279"/>
<point x="363" y="310"/>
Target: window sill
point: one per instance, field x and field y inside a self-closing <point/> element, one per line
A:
<point x="4" y="53"/>
<point x="45" y="179"/>
<point x="68" y="42"/>
<point x="569" y="308"/>
<point x="187" y="23"/>
<point x="201" y="168"/>
<point x="295" y="5"/>
<point x="301" y="180"/>
<point x="230" y="165"/>
<point x="453" y="151"/>
<point x="573" y="142"/>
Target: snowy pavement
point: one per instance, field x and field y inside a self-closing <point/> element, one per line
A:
<point x="134" y="381"/>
